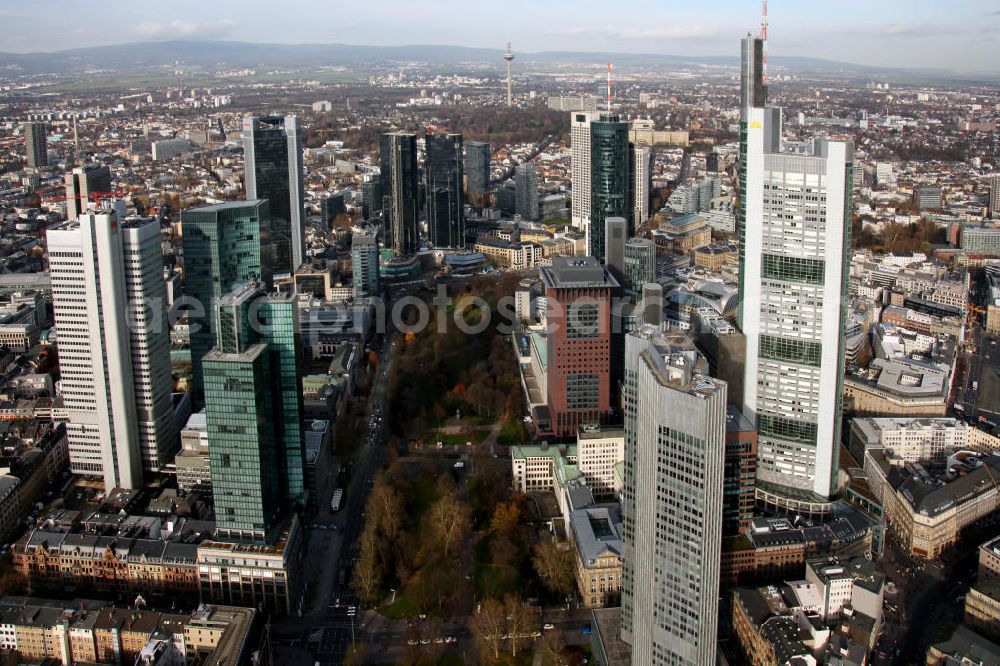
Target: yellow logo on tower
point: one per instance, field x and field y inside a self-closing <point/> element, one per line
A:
<point x="756" y="125"/>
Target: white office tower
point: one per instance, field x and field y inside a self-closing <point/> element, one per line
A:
<point x="793" y="275"/>
<point x="108" y="298"/>
<point x="579" y="151"/>
<point x="994" y="183"/>
<point x="642" y="164"/>
<point x="675" y="429"/>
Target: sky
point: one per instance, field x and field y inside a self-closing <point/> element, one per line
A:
<point x="951" y="34"/>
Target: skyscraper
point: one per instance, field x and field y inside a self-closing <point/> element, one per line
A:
<point x="108" y="297"/>
<point x="241" y="427"/>
<point x="445" y="191"/>
<point x="253" y="406"/>
<point x="641" y="175"/>
<point x="273" y="150"/>
<point x="675" y="426"/>
<point x="36" y="146"/>
<point x="364" y="264"/>
<point x="578" y="297"/>
<point x="795" y="235"/>
<point x="994" y="183"/>
<point x="477" y="167"/>
<point x="609" y="177"/>
<point x="400" y="191"/>
<point x="579" y="140"/>
<point x="640" y="264"/>
<point x="526" y="191"/>
<point x="225" y="245"/>
<point x="82" y="184"/>
<point x="753" y="88"/>
<point x="331" y="207"/>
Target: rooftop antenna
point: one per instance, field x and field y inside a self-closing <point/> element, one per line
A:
<point x="609" y="87"/>
<point x="763" y="36"/>
<point x="509" y="56"/>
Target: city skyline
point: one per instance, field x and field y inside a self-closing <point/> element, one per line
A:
<point x="884" y="35"/>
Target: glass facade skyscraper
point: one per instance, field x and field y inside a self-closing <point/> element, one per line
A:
<point x="273" y="149"/>
<point x="400" y="191"/>
<point x="609" y="173"/>
<point x="672" y="498"/>
<point x="526" y="191"/>
<point x="795" y="239"/>
<point x="253" y="407"/>
<point x="477" y="167"/>
<point x="225" y="245"/>
<point x="445" y="191"/>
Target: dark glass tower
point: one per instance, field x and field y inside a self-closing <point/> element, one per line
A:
<point x="526" y="191"/>
<point x="609" y="177"/>
<point x="445" y="192"/>
<point x="477" y="167"/>
<point x="400" y="191"/>
<point x="273" y="149"/>
<point x="225" y="245"/>
<point x="36" y="148"/>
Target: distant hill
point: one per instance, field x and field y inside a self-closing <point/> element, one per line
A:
<point x="143" y="56"/>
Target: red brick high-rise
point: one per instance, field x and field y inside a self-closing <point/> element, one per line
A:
<point x="578" y="294"/>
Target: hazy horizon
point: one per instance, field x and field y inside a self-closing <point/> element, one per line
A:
<point x="891" y="33"/>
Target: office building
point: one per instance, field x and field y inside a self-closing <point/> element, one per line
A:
<point x="108" y="298"/>
<point x="371" y="198"/>
<point x="795" y="225"/>
<point x="609" y="178"/>
<point x="477" y="167"/>
<point x="640" y="264"/>
<point x="526" y="191"/>
<point x="445" y="191"/>
<point x="364" y="264"/>
<point x="578" y="299"/>
<point x="81" y="186"/>
<point x="739" y="479"/>
<point x="927" y="197"/>
<point x="225" y="245"/>
<point x="331" y="207"/>
<point x="753" y="84"/>
<point x="993" y="183"/>
<point x="168" y="149"/>
<point x="36" y="144"/>
<point x="253" y="408"/>
<point x="272" y="146"/>
<point x="641" y="174"/>
<point x="400" y="192"/>
<point x="614" y="244"/>
<point x="672" y="498"/>
<point x="579" y="139"/>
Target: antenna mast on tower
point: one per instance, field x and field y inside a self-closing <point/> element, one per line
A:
<point x="609" y="87"/>
<point x="763" y="36"/>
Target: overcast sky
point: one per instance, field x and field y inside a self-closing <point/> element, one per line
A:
<point x="954" y="34"/>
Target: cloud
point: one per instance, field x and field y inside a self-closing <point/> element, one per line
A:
<point x="186" y="29"/>
<point x="639" y="34"/>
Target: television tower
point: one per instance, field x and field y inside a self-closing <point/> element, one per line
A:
<point x="509" y="56"/>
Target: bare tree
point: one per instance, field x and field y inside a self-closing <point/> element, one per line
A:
<point x="449" y="520"/>
<point x="368" y="573"/>
<point x="489" y="626"/>
<point x="555" y="566"/>
<point x="519" y="621"/>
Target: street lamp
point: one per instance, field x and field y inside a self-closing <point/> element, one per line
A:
<point x="393" y="597"/>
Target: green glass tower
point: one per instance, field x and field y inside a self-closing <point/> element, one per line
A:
<point x="225" y="245"/>
<point x="253" y="405"/>
<point x="241" y="427"/>
<point x="609" y="178"/>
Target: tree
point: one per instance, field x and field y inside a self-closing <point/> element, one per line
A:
<point x="368" y="573"/>
<point x="488" y="626"/>
<point x="386" y="509"/>
<point x="555" y="567"/>
<point x="506" y="518"/>
<point x="356" y="655"/>
<point x="449" y="521"/>
<point x="519" y="621"/>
